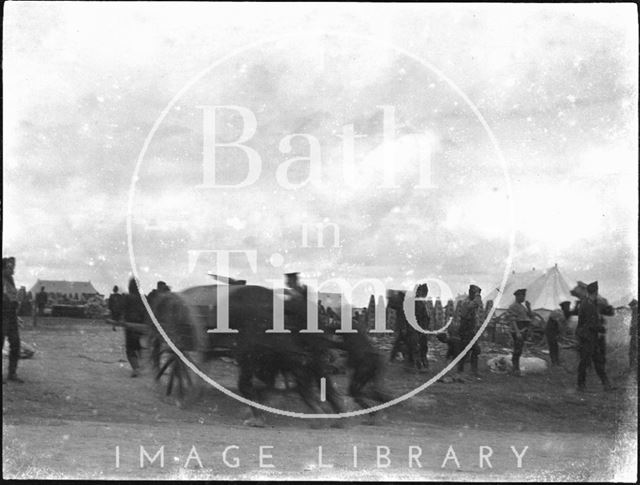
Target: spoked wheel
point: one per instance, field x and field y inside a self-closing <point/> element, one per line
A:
<point x="171" y="372"/>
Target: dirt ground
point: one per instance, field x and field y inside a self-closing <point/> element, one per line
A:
<point x="80" y="415"/>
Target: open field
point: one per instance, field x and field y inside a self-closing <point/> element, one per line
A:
<point x="78" y="404"/>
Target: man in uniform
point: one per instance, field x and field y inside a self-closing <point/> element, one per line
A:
<point x="590" y="326"/>
<point x="557" y="319"/>
<point x="468" y="316"/>
<point x="395" y="301"/>
<point x="10" y="317"/>
<point x="115" y="304"/>
<point x="519" y="315"/>
<point x="134" y="312"/>
<point x="41" y="301"/>
<point x="422" y="317"/>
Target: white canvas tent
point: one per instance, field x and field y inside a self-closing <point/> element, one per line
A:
<point x="514" y="282"/>
<point x="544" y="291"/>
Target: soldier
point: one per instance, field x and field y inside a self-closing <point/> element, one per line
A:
<point x="41" y="301"/>
<point x="519" y="315"/>
<point x="556" y="320"/>
<point x="422" y="317"/>
<point x="395" y="302"/>
<point x="590" y="326"/>
<point x="468" y="316"/>
<point x="115" y="304"/>
<point x="10" y="317"/>
<point x="134" y="312"/>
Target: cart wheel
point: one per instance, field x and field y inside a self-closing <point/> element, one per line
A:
<point x="170" y="369"/>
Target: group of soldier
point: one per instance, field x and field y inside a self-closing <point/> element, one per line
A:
<point x="590" y="331"/>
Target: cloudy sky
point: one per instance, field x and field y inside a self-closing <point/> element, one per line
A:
<point x="87" y="86"/>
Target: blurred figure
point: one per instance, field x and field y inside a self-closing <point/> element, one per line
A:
<point x="116" y="304"/>
<point x="161" y="287"/>
<point x="424" y="321"/>
<point x="519" y="314"/>
<point x="590" y="326"/>
<point x="41" y="301"/>
<point x="22" y="298"/>
<point x="557" y="319"/>
<point x="134" y="312"/>
<point x="468" y="315"/>
<point x="28" y="305"/>
<point x="10" y="317"/>
<point x="395" y="302"/>
<point x="292" y="282"/>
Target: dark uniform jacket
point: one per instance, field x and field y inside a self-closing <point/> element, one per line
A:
<point x="589" y="323"/>
<point x="422" y="315"/>
<point x="468" y="317"/>
<point x="116" y="304"/>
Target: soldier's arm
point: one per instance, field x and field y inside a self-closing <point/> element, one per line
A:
<point x="528" y="307"/>
<point x="607" y="310"/>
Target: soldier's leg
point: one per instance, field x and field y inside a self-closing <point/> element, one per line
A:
<point x="4" y="334"/>
<point x="585" y="357"/>
<point x="461" y="363"/>
<point x="602" y="348"/>
<point x="424" y="350"/>
<point x="14" y="346"/>
<point x="599" y="364"/>
<point x="552" y="350"/>
<point x="475" y="351"/>
<point x="409" y="346"/>
<point x="462" y="343"/>
<point x="414" y="349"/>
<point x="556" y="350"/>
<point x="131" y="349"/>
<point x="396" y="348"/>
<point x="518" y="344"/>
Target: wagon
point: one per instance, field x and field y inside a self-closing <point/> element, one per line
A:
<point x="188" y="315"/>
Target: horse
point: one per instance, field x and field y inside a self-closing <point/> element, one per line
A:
<point x="188" y="316"/>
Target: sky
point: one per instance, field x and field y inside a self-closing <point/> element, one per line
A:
<point x="523" y="108"/>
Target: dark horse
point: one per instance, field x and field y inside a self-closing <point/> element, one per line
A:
<point x="186" y="317"/>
